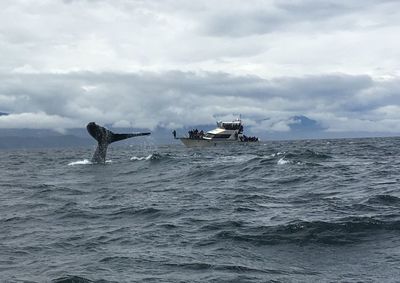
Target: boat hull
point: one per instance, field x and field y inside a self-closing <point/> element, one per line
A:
<point x="208" y="143"/>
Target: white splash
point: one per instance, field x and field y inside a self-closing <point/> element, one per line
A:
<point x="142" y="157"/>
<point x="80" y="162"/>
<point x="236" y="159"/>
<point x="283" y="161"/>
<point x="277" y="154"/>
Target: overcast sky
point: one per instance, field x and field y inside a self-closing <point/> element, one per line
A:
<point x="175" y="63"/>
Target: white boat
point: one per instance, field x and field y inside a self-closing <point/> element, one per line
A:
<point x="225" y="133"/>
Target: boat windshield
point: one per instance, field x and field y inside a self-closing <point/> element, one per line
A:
<point x="229" y="126"/>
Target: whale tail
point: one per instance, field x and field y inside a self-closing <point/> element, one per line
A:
<point x="105" y="137"/>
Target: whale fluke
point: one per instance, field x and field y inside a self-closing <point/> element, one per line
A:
<point x="104" y="137"/>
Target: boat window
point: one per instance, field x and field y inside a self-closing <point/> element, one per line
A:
<point x="222" y="136"/>
<point x="231" y="126"/>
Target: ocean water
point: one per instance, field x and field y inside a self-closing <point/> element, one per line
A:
<point x="294" y="211"/>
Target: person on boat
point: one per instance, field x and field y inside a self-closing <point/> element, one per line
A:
<point x="174" y="133"/>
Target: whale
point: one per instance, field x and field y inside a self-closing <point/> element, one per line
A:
<point x="104" y="138"/>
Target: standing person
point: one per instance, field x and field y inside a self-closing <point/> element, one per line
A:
<point x="174" y="133"/>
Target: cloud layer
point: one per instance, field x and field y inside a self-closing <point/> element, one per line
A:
<point x="337" y="102"/>
<point x="266" y="38"/>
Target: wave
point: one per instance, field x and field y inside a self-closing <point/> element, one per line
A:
<point x="86" y="162"/>
<point x="79" y="279"/>
<point x="283" y="161"/>
<point x="244" y="158"/>
<point x="278" y="154"/>
<point x="17" y="219"/>
<point x="135" y="158"/>
<point x="306" y="157"/>
<point x="71" y="211"/>
<point x="45" y="190"/>
<point x="201" y="266"/>
<point x="153" y="212"/>
<point x="348" y="231"/>
<point x="72" y="279"/>
<point x="384" y="199"/>
<point x="151" y="157"/>
<point x="116" y="259"/>
<point x="77" y="214"/>
<point x="80" y="162"/>
<point x="222" y="224"/>
<point x="307" y="154"/>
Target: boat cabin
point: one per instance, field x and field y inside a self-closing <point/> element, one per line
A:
<point x="235" y="125"/>
<point x="226" y="131"/>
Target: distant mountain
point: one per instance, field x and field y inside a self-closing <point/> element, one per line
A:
<point x="3" y="114"/>
<point x="44" y="138"/>
<point x="303" y="123"/>
<point x="28" y="133"/>
<point x="301" y="127"/>
<point x="15" y="142"/>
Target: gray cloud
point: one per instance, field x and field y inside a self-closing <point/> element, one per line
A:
<point x="173" y="99"/>
<point x="286" y="15"/>
<point x="265" y="38"/>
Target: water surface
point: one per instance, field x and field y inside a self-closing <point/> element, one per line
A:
<point x="308" y="211"/>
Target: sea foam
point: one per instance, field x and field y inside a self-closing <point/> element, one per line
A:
<point x="80" y="162"/>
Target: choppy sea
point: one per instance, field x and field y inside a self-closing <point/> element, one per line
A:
<point x="293" y="211"/>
